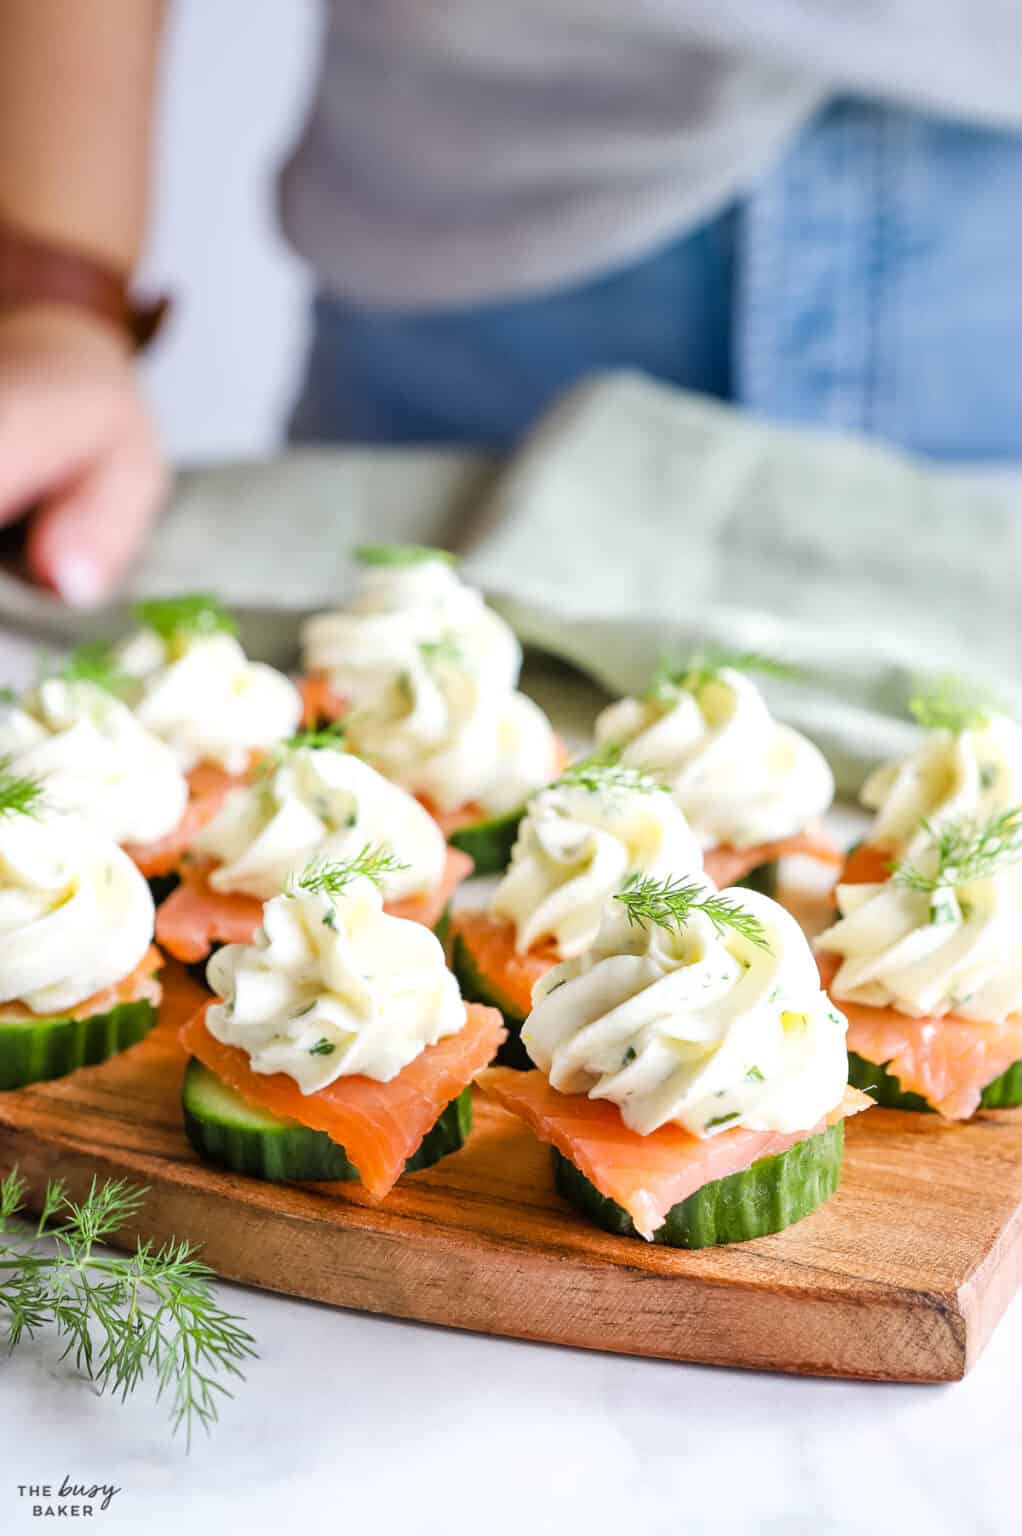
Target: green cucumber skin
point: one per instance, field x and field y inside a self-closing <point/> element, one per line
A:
<point x="233" y="1135"/>
<point x="768" y="1197"/>
<point x="1005" y="1092"/>
<point x="763" y="878"/>
<point x="43" y="1049"/>
<point x="475" y="990"/>
<point x="489" y="843"/>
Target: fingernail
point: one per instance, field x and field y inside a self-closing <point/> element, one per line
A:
<point x="79" y="581"/>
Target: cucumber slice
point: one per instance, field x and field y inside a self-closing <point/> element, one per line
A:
<point x="763" y="878"/>
<point x="1003" y="1093"/>
<point x="442" y="926"/>
<point x="771" y="1195"/>
<point x="224" y="1129"/>
<point x="35" y="1050"/>
<point x="474" y="989"/>
<point x="488" y="843"/>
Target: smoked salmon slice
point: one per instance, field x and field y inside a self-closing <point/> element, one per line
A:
<point x="647" y="1175"/>
<point x="320" y="703"/>
<point x="726" y="865"/>
<point x="140" y="985"/>
<point x="379" y="1125"/>
<point x="208" y="787"/>
<point x="490" y="942"/>
<point x="866" y="865"/>
<point x="194" y="917"/>
<point x="948" y="1060"/>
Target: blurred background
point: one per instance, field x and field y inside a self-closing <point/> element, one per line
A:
<point x="226" y="371"/>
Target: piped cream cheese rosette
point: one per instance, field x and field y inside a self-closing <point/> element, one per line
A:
<point x="927" y="965"/>
<point x="752" y="788"/>
<point x="310" y="800"/>
<point x="578" y="843"/>
<point x="691" y="1073"/>
<point x="968" y="765"/>
<point x="218" y="712"/>
<point x="427" y="676"/>
<point x="77" y="965"/>
<point x="94" y="758"/>
<point x="339" y="1045"/>
<point x="409" y="597"/>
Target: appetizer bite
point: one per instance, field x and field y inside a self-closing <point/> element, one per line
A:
<point x="579" y="842"/>
<point x="73" y="733"/>
<point x="968" y="765"/>
<point x="425" y="676"/>
<point x="927" y="965"/>
<point x="77" y="964"/>
<point x="753" y="790"/>
<point x="691" y="1075"/>
<point x="192" y="686"/>
<point x="309" y="799"/>
<point x="340" y="1047"/>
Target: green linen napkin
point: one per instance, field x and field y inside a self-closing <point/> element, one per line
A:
<point x="636" y="521"/>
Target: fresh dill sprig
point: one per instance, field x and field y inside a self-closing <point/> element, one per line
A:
<point x="669" y="903"/>
<point x="122" y="1316"/>
<point x="602" y="771"/>
<point x="437" y="652"/>
<point x="965" y="850"/>
<point x="20" y="795"/>
<point x="400" y="554"/>
<point x="705" y="665"/>
<point x="320" y="739"/>
<point x="96" y="663"/>
<point x="193" y="613"/>
<point x="950" y="703"/>
<point x="373" y="862"/>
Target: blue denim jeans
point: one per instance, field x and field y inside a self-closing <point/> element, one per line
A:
<point x="871" y="281"/>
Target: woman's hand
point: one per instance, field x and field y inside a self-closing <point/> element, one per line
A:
<point x="79" y="455"/>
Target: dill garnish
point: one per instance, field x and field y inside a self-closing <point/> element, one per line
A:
<point x="705" y="666"/>
<point x="193" y="613"/>
<point x="121" y="1316"/>
<point x="400" y="554"/>
<point x="950" y="703"/>
<point x="19" y="795"/>
<point x="96" y="663"/>
<point x="670" y="903"/>
<point x="373" y="862"/>
<point x="602" y="771"/>
<point x="965" y="850"/>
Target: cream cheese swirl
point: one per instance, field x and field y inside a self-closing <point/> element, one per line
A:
<point x="94" y="758"/>
<point x="696" y="1027"/>
<point x="323" y="803"/>
<point x="207" y="700"/>
<point x="75" y="914"/>
<point x="577" y="846"/>
<point x="971" y="773"/>
<point x="333" y="987"/>
<point x="397" y="610"/>
<point x="931" y="953"/>
<point x="739" y="775"/>
<point x="444" y="732"/>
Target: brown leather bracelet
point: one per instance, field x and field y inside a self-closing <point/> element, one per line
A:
<point x="37" y="271"/>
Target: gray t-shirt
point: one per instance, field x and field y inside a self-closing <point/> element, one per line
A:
<point x="460" y="151"/>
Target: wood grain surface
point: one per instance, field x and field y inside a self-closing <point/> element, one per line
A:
<point x="902" y="1276"/>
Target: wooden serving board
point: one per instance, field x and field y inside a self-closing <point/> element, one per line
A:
<point x="902" y="1276"/>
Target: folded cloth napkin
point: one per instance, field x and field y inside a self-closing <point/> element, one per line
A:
<point x="635" y="522"/>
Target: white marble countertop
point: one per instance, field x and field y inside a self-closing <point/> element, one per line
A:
<point x="352" y="1423"/>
